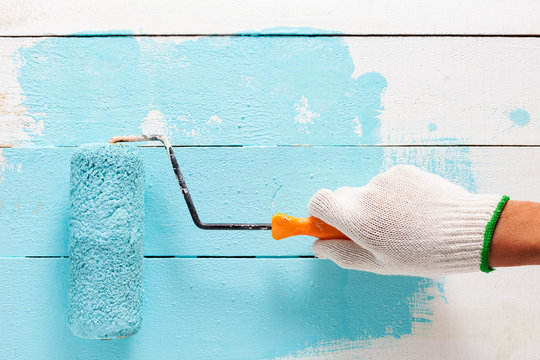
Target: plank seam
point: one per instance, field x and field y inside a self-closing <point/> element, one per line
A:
<point x="515" y="35"/>
<point x="180" y="257"/>
<point x="311" y="146"/>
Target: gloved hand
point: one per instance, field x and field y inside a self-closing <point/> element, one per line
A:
<point x="408" y="222"/>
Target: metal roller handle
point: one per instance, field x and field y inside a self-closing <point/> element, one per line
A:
<point x="183" y="186"/>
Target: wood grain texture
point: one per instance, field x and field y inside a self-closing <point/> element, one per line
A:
<point x="267" y="91"/>
<point x="39" y="17"/>
<point x="235" y="185"/>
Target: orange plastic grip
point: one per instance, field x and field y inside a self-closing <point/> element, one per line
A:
<point x="284" y="226"/>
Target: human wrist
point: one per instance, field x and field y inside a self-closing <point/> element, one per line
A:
<point x="516" y="237"/>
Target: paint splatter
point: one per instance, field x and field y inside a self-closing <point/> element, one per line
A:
<point x="7" y="166"/>
<point x="304" y="116"/>
<point x="155" y="123"/>
<point x="432" y="127"/>
<point x="214" y="120"/>
<point x="357" y="127"/>
<point x="519" y="117"/>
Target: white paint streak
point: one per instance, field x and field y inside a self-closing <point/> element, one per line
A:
<point x="250" y="82"/>
<point x="176" y="40"/>
<point x="155" y="123"/>
<point x="161" y="45"/>
<point x="194" y="133"/>
<point x="200" y="130"/>
<point x="357" y="126"/>
<point x="304" y="116"/>
<point x="17" y="127"/>
<point x="6" y="166"/>
<point x="247" y="80"/>
<point x="214" y="120"/>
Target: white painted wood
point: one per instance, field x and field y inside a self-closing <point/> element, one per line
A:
<point x="466" y="88"/>
<point x="39" y="17"/>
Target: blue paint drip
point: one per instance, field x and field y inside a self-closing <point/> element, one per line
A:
<point x="92" y="88"/>
<point x="520" y="117"/>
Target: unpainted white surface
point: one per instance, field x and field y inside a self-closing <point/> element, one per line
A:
<point x="38" y="17"/>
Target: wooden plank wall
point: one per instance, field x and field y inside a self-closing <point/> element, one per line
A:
<point x="325" y="95"/>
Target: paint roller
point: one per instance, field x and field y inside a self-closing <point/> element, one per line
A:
<point x="106" y="241"/>
<point x="105" y="291"/>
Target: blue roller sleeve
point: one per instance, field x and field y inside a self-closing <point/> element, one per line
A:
<point x="105" y="294"/>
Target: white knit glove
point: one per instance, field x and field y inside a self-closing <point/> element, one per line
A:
<point x="408" y="222"/>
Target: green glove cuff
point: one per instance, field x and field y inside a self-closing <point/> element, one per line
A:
<point x="488" y="234"/>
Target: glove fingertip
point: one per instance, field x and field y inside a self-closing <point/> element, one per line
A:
<point x="321" y="204"/>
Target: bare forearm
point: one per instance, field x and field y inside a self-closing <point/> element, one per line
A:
<point x="516" y="239"/>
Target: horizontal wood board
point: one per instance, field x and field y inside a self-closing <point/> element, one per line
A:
<point x="39" y="17"/>
<point x="236" y="184"/>
<point x="271" y="90"/>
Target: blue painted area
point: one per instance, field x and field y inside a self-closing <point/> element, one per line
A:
<point x="519" y="117"/>
<point x="265" y="90"/>
<point x="339" y="304"/>
<point x="208" y="309"/>
<point x="88" y="89"/>
<point x="432" y="127"/>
